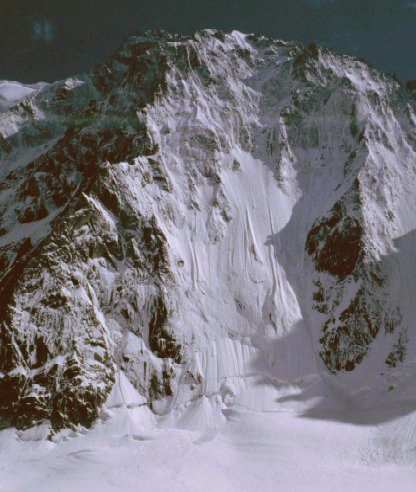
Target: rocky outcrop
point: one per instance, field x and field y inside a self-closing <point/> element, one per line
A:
<point x="336" y="243"/>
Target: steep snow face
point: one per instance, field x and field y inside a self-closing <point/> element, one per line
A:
<point x="221" y="218"/>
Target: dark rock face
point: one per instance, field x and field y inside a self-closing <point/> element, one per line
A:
<point x="305" y="59"/>
<point x="336" y="243"/>
<point x="345" y="340"/>
<point x="161" y="342"/>
<point x="71" y="369"/>
<point x="55" y="353"/>
<point x="399" y="352"/>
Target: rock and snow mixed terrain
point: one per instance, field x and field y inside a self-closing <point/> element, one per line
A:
<point x="206" y="260"/>
<point x="12" y="92"/>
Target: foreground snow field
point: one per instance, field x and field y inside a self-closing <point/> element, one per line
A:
<point x="278" y="449"/>
<point x="207" y="272"/>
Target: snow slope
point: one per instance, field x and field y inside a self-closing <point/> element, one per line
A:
<point x="11" y="92"/>
<point x="129" y="450"/>
<point x="206" y="257"/>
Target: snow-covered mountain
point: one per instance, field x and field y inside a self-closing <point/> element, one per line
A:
<point x="200" y="220"/>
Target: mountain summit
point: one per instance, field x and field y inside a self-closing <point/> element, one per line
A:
<point x="200" y="218"/>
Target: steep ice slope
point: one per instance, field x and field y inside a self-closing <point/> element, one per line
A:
<point x="226" y="219"/>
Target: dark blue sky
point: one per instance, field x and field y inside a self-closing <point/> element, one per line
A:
<point x="51" y="39"/>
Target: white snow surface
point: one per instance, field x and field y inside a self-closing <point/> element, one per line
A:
<point x="253" y="408"/>
<point x="11" y="92"/>
<point x="131" y="450"/>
